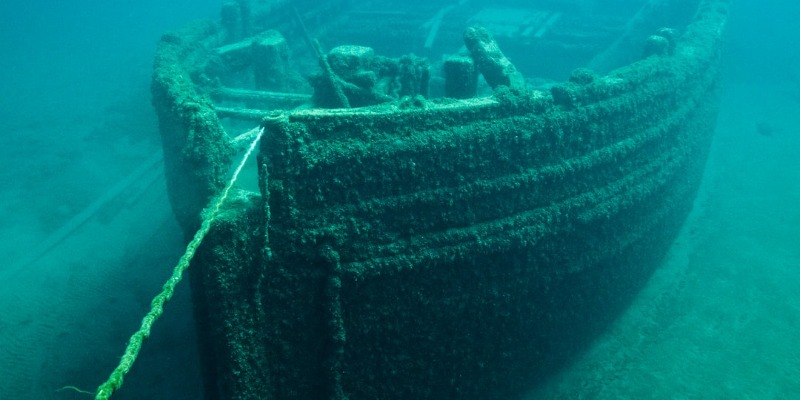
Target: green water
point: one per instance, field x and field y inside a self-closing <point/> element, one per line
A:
<point x="717" y="321"/>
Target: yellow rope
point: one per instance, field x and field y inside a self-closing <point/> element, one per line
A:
<point x="114" y="382"/>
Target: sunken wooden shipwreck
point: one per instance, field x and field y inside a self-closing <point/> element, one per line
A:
<point x="457" y="223"/>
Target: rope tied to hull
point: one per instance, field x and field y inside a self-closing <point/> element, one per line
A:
<point x="114" y="382"/>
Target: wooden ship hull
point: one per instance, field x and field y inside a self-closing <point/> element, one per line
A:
<point x="429" y="249"/>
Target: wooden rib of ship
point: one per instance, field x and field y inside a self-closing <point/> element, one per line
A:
<point x="420" y="234"/>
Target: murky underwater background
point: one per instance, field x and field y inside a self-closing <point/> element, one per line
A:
<point x="88" y="237"/>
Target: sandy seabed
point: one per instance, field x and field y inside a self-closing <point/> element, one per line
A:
<point x="88" y="240"/>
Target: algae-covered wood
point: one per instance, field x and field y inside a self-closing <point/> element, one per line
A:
<point x="444" y="248"/>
